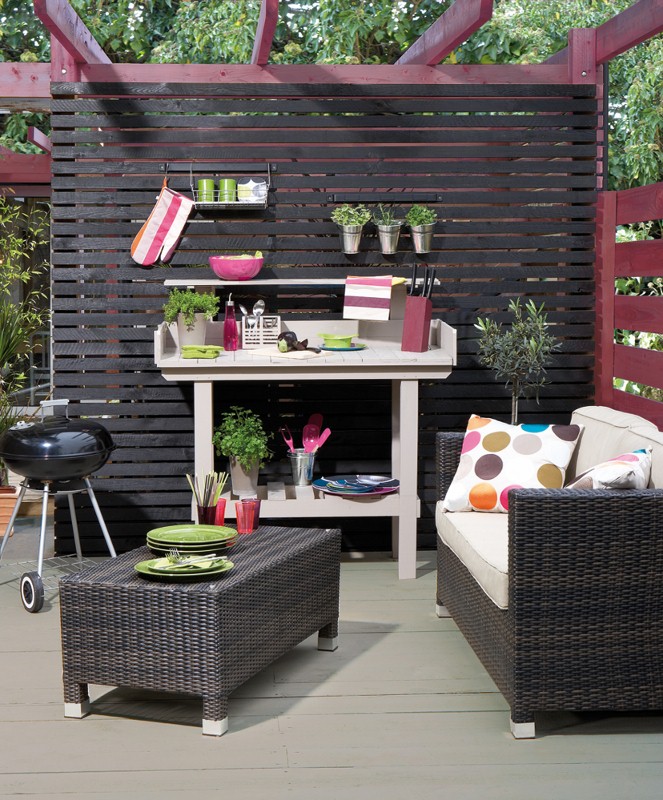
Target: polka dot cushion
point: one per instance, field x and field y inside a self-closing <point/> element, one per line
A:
<point x="626" y="471"/>
<point x="497" y="457"/>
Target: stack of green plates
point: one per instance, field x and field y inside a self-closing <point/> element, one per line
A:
<point x="190" y="539"/>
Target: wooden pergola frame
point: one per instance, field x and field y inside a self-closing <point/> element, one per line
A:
<point x="76" y="56"/>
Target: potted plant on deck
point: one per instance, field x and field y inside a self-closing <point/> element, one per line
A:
<point x="351" y="220"/>
<point x="421" y="220"/>
<point x="520" y="354"/>
<point x="190" y="310"/>
<point x="241" y="437"/>
<point x="23" y="311"/>
<point x="389" y="229"/>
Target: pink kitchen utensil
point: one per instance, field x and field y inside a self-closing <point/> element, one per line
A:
<point x="310" y="436"/>
<point x="287" y="437"/>
<point x="315" y="419"/>
<point x="322" y="438"/>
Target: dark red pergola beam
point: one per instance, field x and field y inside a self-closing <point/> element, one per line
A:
<point x="620" y="33"/>
<point x="70" y="31"/>
<point x="267" y="22"/>
<point x="454" y="27"/>
<point x="18" y="168"/>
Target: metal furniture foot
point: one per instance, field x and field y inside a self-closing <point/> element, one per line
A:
<point x="441" y="611"/>
<point x="326" y="643"/>
<point x="77" y="710"/>
<point x="215" y="727"/>
<point x="522" y="730"/>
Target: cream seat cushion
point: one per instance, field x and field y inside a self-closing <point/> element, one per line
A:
<point x="481" y="543"/>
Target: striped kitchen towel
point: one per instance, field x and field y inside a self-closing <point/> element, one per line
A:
<point x="367" y="298"/>
<point x="158" y="237"/>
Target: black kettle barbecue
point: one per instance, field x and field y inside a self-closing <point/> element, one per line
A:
<point x="56" y="448"/>
<point x="55" y="455"/>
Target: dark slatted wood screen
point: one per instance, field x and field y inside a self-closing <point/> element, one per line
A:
<point x="510" y="169"/>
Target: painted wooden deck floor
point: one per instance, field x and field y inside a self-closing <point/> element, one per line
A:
<point x="402" y="709"/>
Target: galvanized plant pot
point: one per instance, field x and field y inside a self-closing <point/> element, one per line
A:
<point x="422" y="237"/>
<point x="389" y="237"/>
<point x="350" y="238"/>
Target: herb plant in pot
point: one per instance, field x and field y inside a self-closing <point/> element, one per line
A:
<point x="351" y="220"/>
<point x="190" y="310"/>
<point x="421" y="220"/>
<point x="520" y="354"/>
<point x="389" y="229"/>
<point x="241" y="437"/>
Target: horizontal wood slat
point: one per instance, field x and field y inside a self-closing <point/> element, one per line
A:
<point x="639" y="313"/>
<point x="511" y="171"/>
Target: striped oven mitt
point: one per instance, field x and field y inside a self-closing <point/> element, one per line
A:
<point x="158" y="237"/>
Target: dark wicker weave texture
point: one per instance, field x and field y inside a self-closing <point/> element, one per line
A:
<point x="203" y="638"/>
<point x="584" y="626"/>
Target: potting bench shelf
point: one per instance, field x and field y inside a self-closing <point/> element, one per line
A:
<point x="381" y="360"/>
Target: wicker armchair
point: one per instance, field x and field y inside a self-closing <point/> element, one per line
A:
<point x="584" y="625"/>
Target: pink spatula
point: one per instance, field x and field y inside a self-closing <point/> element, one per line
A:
<point x="323" y="438"/>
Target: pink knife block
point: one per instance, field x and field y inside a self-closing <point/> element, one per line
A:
<point x="416" y="324"/>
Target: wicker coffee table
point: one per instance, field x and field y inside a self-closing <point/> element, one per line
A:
<point x="204" y="638"/>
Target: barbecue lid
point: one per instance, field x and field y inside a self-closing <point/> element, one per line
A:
<point x="55" y="437"/>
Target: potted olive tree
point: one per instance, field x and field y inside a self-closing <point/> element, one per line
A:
<point x="351" y="220"/>
<point x="23" y="311"/>
<point x="421" y="220"/>
<point x="520" y="354"/>
<point x="241" y="437"/>
<point x="190" y="310"/>
<point x="389" y="229"/>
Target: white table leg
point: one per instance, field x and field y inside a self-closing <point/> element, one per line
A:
<point x="405" y="444"/>
<point x="203" y="428"/>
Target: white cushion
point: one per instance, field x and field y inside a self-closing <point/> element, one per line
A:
<point x="625" y="471"/>
<point x="497" y="457"/>
<point x="481" y="543"/>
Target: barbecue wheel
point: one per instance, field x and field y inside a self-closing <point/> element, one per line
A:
<point x="32" y="592"/>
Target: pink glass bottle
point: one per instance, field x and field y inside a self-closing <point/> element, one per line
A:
<point x="230" y="337"/>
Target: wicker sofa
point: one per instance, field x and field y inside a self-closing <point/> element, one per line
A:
<point x="579" y="579"/>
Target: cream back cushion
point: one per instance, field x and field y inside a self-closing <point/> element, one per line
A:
<point x="607" y="433"/>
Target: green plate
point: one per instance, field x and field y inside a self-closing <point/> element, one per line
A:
<point x="190" y="534"/>
<point x="146" y="570"/>
<point x="192" y="550"/>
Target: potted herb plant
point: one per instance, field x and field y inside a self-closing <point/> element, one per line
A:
<point x="23" y="311"/>
<point x="351" y="220"/>
<point x="190" y="310"/>
<point x="241" y="437"/>
<point x="389" y="229"/>
<point x="520" y="354"/>
<point x="421" y="220"/>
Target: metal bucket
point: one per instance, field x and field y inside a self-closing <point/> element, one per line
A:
<point x="389" y="238"/>
<point x="301" y="464"/>
<point x="350" y="238"/>
<point x="422" y="237"/>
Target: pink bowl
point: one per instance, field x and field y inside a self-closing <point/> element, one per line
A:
<point x="235" y="269"/>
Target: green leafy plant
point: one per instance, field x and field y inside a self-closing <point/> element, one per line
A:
<point x="420" y="215"/>
<point x="385" y="216"/>
<point x="23" y="308"/>
<point x="242" y="436"/>
<point x="189" y="303"/>
<point x="351" y="215"/>
<point x="520" y="354"/>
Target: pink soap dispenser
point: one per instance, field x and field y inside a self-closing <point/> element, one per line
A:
<point x="230" y="337"/>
